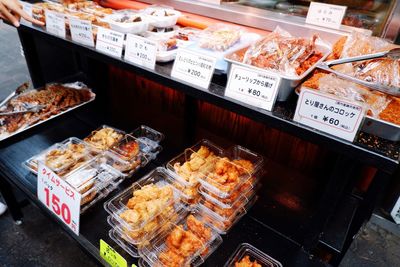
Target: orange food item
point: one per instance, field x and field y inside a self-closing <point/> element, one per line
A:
<point x="246" y="262"/>
<point x="392" y="112"/>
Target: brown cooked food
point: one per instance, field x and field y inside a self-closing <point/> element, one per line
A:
<point x="55" y="97"/>
<point x="246" y="262"/>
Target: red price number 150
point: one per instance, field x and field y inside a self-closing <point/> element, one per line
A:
<point x="62" y="210"/>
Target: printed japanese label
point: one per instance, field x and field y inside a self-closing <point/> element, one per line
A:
<point x="59" y="197"/>
<point x="81" y="31"/>
<point x="325" y="15"/>
<point x="329" y="114"/>
<point x="141" y="51"/>
<point x="55" y="23"/>
<point x="111" y="256"/>
<point x="27" y="7"/>
<point x="253" y="87"/>
<point x="395" y="213"/>
<point x="110" y="42"/>
<point x="194" y="68"/>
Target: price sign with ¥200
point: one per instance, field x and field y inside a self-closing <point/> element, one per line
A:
<point x="141" y="51"/>
<point x="194" y="68"/>
<point x="330" y="114"/>
<point x="55" y="23"/>
<point x="252" y="86"/>
<point x="59" y="197"/>
<point x="110" y="42"/>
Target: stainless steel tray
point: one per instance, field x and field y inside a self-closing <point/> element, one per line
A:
<point x="381" y="128"/>
<point x="288" y="83"/>
<point x="24" y="128"/>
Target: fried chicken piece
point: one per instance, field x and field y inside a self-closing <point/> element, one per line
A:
<point x="245" y="164"/>
<point x="246" y="262"/>
<point x="199" y="229"/>
<point x="170" y="258"/>
<point x="130" y="216"/>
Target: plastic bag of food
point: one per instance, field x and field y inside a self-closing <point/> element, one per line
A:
<point x="281" y="52"/>
<point x="220" y="37"/>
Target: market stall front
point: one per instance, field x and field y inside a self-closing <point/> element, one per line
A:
<point x="231" y="168"/>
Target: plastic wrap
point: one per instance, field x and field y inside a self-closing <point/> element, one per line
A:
<point x="281" y="52"/>
<point x="220" y="37"/>
<point x="247" y="255"/>
<point x="162" y="16"/>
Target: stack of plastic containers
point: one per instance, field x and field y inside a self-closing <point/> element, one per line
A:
<point x="96" y="165"/>
<point x="247" y="255"/>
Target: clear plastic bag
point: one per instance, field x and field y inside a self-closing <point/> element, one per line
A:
<point x="220" y="37"/>
<point x="282" y="52"/>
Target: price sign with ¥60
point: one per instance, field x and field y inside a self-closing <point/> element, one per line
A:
<point x="141" y="51"/>
<point x="59" y="197"/>
<point x="325" y="15"/>
<point x="330" y="114"/>
<point x="254" y="87"/>
<point x="81" y="31"/>
<point x="55" y="23"/>
<point x="194" y="68"/>
<point x="110" y="42"/>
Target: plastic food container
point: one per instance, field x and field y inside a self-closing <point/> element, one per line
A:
<point x="127" y="22"/>
<point x="152" y="251"/>
<point x="215" y="184"/>
<point x="254" y="254"/>
<point x="162" y="17"/>
<point x="151" y="138"/>
<point x="100" y="143"/>
<point x="118" y="205"/>
<point x="164" y="33"/>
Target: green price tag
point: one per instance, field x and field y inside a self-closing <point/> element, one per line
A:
<point x="134" y="265"/>
<point x="111" y="256"/>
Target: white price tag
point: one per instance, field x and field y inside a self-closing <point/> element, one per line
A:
<point x="325" y="15"/>
<point x="27" y="7"/>
<point x="81" y="31"/>
<point x="55" y="23"/>
<point x="330" y="114"/>
<point x="59" y="197"/>
<point x="193" y="68"/>
<point x="395" y="213"/>
<point x="141" y="51"/>
<point x="110" y="42"/>
<point x="253" y="87"/>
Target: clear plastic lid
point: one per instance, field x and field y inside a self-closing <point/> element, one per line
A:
<point x="220" y="37"/>
<point x="31" y="164"/>
<point x="247" y="254"/>
<point x="194" y="162"/>
<point x="150" y="137"/>
<point x="128" y="148"/>
<point x="144" y="200"/>
<point x="220" y="225"/>
<point x="118" y="238"/>
<point x="232" y="171"/>
<point x="191" y="237"/>
<point x="104" y="137"/>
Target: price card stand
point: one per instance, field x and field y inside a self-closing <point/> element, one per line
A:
<point x="55" y="23"/>
<point x="110" y="42"/>
<point x="141" y="51"/>
<point x="81" y="31"/>
<point x="59" y="197"/>
<point x="253" y="86"/>
<point x="193" y="68"/>
<point x="330" y="114"/>
<point x="325" y="15"/>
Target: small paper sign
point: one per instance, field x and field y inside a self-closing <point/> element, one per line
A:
<point x="325" y="15"/>
<point x="330" y="114"/>
<point x="141" y="51"/>
<point x="194" y="68"/>
<point x="59" y="197"/>
<point x="110" y="42"/>
<point x="254" y="87"/>
<point x="395" y="213"/>
<point x="111" y="256"/>
<point x="81" y="31"/>
<point x="55" y="23"/>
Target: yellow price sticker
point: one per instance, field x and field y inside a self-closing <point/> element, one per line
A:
<point x="111" y="256"/>
<point x="134" y="265"/>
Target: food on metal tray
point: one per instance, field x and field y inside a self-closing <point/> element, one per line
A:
<point x="104" y="138"/>
<point x="146" y="203"/>
<point x="91" y="8"/>
<point x="246" y="262"/>
<point x="181" y="244"/>
<point x="220" y="37"/>
<point x="54" y="97"/>
<point x="283" y="53"/>
<point x="62" y="158"/>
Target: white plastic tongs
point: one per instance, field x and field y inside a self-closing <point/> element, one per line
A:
<point x="392" y="54"/>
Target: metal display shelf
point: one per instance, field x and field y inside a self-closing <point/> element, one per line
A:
<point x="267" y="226"/>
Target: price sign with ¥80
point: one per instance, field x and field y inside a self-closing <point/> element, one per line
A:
<point x="254" y="87"/>
<point x="325" y="15"/>
<point x="110" y="42"/>
<point x="194" y="68"/>
<point x="141" y="51"/>
<point x="81" y="31"/>
<point x="59" y="197"/>
<point x="330" y="114"/>
<point x="55" y="23"/>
